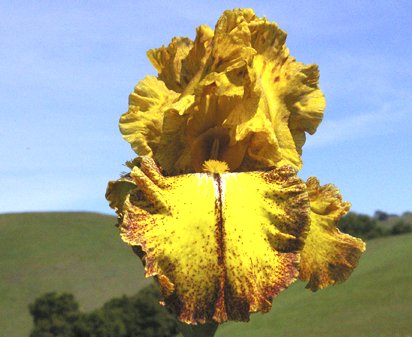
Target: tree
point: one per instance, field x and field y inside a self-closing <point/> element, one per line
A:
<point x="381" y="216"/>
<point x="401" y="227"/>
<point x="136" y="316"/>
<point x="158" y="320"/>
<point x="54" y="315"/>
<point x="360" y="225"/>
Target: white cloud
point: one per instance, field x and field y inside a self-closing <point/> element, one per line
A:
<point x="389" y="119"/>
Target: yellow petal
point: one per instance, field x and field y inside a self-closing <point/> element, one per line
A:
<point x="141" y="125"/>
<point x="168" y="62"/>
<point x="290" y="102"/>
<point x="305" y="101"/>
<point x="118" y="191"/>
<point x="265" y="222"/>
<point x="239" y="87"/>
<point x="231" y="43"/>
<point x="329" y="256"/>
<point x="220" y="245"/>
<point x="172" y="143"/>
<point x="193" y="67"/>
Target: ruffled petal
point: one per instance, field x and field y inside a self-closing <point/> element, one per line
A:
<point x="237" y="86"/>
<point x="220" y="245"/>
<point x="329" y="256"/>
<point x="118" y="191"/>
<point x="172" y="140"/>
<point x="231" y="43"/>
<point x="168" y="62"/>
<point x="141" y="125"/>
<point x="289" y="103"/>
<point x="265" y="223"/>
<point x="305" y="101"/>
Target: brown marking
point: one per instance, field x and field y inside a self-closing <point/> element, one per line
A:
<point x="220" y="314"/>
<point x="210" y="89"/>
<point x="264" y="66"/>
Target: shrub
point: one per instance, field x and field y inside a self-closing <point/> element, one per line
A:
<point x="401" y="227"/>
<point x="135" y="316"/>
<point x="361" y="226"/>
<point x="54" y="315"/>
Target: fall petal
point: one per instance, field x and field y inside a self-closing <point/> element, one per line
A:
<point x="329" y="256"/>
<point x="117" y="192"/>
<point x="265" y="222"/>
<point x="220" y="245"/>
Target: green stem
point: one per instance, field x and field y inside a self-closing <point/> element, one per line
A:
<point x="200" y="330"/>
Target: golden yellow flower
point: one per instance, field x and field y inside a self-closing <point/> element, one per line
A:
<point x="212" y="204"/>
<point x="233" y="94"/>
<point x="221" y="245"/>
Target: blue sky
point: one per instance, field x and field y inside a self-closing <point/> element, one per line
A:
<point x="67" y="68"/>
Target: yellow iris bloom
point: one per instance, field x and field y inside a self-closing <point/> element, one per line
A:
<point x="212" y="205"/>
<point x="234" y="95"/>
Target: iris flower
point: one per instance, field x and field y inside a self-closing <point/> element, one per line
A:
<point x="213" y="205"/>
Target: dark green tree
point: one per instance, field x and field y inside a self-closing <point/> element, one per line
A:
<point x="360" y="225"/>
<point x="54" y="315"/>
<point x="381" y="215"/>
<point x="401" y="227"/>
<point x="136" y="316"/>
<point x="158" y="321"/>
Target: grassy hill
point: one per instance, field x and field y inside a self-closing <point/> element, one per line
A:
<point x="81" y="253"/>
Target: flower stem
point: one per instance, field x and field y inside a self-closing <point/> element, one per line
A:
<point x="200" y="330"/>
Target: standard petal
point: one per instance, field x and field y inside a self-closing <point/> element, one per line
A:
<point x="305" y="101"/>
<point x="293" y="84"/>
<point x="290" y="102"/>
<point x="329" y="256"/>
<point x="220" y="245"/>
<point x="141" y="125"/>
<point x="168" y="62"/>
<point x="237" y="86"/>
<point x="231" y="43"/>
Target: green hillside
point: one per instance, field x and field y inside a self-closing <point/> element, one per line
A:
<point x="81" y="253"/>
